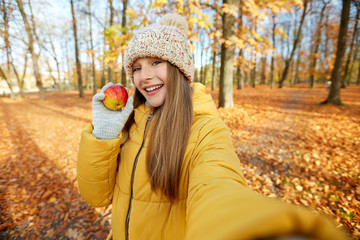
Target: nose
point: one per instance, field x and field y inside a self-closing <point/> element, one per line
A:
<point x="146" y="73"/>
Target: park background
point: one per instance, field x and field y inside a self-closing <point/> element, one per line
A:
<point x="267" y="65"/>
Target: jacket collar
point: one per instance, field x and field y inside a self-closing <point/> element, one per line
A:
<point x="203" y="103"/>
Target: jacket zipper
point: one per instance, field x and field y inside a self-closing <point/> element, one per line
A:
<point x="132" y="178"/>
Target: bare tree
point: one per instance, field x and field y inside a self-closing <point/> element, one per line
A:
<point x="50" y="72"/>
<point x="297" y="38"/>
<point x="354" y="58"/>
<point x="253" y="70"/>
<point x="273" y="52"/>
<point x="111" y="23"/>
<point x="240" y="79"/>
<point x="20" y="80"/>
<point x="263" y="70"/>
<point x="104" y="48"/>
<point x="5" y="15"/>
<point x="334" y="94"/>
<point x="202" y="51"/>
<point x="325" y="53"/>
<point x="30" y="31"/>
<point x="52" y="52"/>
<point x="298" y="61"/>
<point x="123" y="27"/>
<point x="317" y="35"/>
<point x="78" y="64"/>
<point x="3" y="76"/>
<point x="213" y="81"/>
<point x="65" y="49"/>
<point x="92" y="49"/>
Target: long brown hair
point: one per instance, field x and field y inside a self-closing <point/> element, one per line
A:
<point x="170" y="125"/>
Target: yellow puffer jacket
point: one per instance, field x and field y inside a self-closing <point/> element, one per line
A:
<point x="215" y="201"/>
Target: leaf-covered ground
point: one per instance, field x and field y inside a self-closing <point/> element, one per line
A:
<point x="290" y="147"/>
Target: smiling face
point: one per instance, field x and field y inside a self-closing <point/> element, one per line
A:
<point x="150" y="78"/>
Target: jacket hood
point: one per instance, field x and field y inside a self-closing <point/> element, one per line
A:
<point x="203" y="103"/>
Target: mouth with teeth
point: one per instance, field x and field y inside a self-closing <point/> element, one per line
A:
<point x="150" y="89"/>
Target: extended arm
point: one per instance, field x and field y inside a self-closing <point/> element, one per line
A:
<point x="221" y="206"/>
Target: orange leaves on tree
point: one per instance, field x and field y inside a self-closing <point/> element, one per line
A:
<point x="231" y="9"/>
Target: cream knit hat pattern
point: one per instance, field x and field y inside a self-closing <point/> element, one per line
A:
<point x="166" y="40"/>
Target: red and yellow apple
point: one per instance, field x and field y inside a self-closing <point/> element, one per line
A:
<point x="116" y="97"/>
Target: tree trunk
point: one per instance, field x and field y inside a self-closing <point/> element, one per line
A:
<point x="109" y="66"/>
<point x="196" y="77"/>
<point x="3" y="75"/>
<point x="293" y="63"/>
<point x="316" y="47"/>
<point x="20" y="81"/>
<point x="123" y="26"/>
<point x="246" y="79"/>
<point x="78" y="65"/>
<point x="296" y="78"/>
<point x="326" y="51"/>
<point x="66" y="50"/>
<point x="34" y="55"/>
<point x="92" y="50"/>
<point x="206" y="68"/>
<point x="240" y="80"/>
<point x="253" y="71"/>
<point x="201" y="62"/>
<point x="263" y="70"/>
<point x="227" y="59"/>
<point x="288" y="61"/>
<point x="343" y="82"/>
<point x="352" y="65"/>
<point x="213" y="81"/>
<point x="50" y="72"/>
<point x="4" y="10"/>
<point x="53" y="53"/>
<point x="334" y="94"/>
<point x="104" y="49"/>
<point x="273" y="55"/>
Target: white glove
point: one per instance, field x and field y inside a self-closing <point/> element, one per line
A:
<point x="108" y="123"/>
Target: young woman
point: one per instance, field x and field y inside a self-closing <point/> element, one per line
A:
<point x="166" y="161"/>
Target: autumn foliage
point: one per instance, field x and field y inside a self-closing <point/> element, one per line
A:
<point x="290" y="147"/>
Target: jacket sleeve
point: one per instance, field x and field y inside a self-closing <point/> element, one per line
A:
<point x="221" y="206"/>
<point x="96" y="168"/>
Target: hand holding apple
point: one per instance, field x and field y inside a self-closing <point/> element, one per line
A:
<point x="116" y="97"/>
<point x="108" y="124"/>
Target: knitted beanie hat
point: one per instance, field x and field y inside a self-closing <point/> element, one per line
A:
<point x="166" y="40"/>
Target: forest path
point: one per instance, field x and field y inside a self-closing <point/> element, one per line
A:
<point x="269" y="142"/>
<point x="278" y="135"/>
<point x="38" y="188"/>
